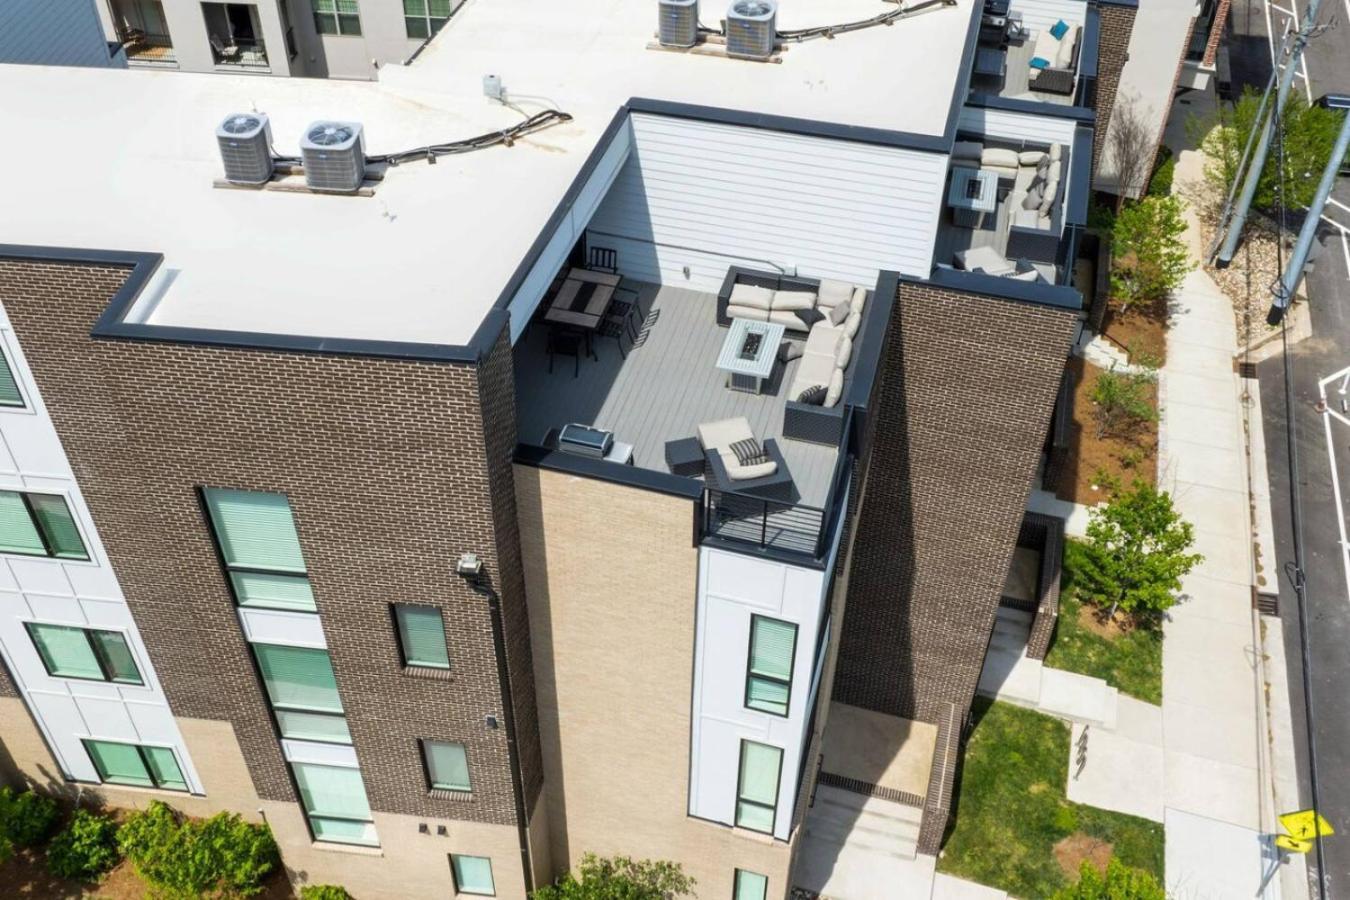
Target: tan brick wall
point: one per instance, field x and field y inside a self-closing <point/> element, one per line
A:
<point x="611" y="574"/>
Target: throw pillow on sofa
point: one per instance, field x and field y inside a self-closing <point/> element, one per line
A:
<point x="789" y="350"/>
<point x="1033" y="198"/>
<point x="813" y="396"/>
<point x="832" y="292"/>
<point x="752" y="296"/>
<point x="1059" y="29"/>
<point x="749" y="452"/>
<point x="839" y="313"/>
<point x="1038" y="62"/>
<point x="809" y="317"/>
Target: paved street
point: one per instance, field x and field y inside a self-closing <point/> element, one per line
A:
<point x="1327" y="70"/>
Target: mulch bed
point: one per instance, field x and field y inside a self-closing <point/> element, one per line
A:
<point x="1140" y="332"/>
<point x="1089" y="456"/>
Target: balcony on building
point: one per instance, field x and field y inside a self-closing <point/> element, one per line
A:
<point x="1037" y="51"/>
<point x="234" y="32"/>
<point x="143" y="32"/>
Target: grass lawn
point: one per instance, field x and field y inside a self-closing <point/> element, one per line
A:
<point x="1011" y="811"/>
<point x="1131" y="661"/>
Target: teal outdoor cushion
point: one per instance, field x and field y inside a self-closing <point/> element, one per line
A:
<point x="1059" y="29"/>
<point x="1039" y="63"/>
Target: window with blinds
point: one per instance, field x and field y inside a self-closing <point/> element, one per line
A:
<point x="473" y="875"/>
<point x="303" y="690"/>
<point x="10" y="395"/>
<point x="447" y="766"/>
<point x="757" y="786"/>
<point x="336" y="17"/>
<point x="256" y="534"/>
<point x="136" y="765"/>
<point x="768" y="681"/>
<point x="334" y="799"/>
<point x="421" y="636"/>
<point x="750" y="885"/>
<point x="86" y="653"/>
<point x="39" y="525"/>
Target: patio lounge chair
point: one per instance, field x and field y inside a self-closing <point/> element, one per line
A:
<point x="767" y="478"/>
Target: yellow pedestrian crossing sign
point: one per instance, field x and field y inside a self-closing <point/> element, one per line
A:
<point x="1303" y="827"/>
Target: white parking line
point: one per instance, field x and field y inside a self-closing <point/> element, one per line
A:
<point x="1335" y="477"/>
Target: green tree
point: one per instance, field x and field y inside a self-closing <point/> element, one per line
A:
<point x="619" y="878"/>
<point x="1119" y="883"/>
<point x="222" y="856"/>
<point x="1148" y="257"/>
<point x="1309" y="137"/>
<point x="85" y="848"/>
<point x="1122" y="403"/>
<point x="1137" y="551"/>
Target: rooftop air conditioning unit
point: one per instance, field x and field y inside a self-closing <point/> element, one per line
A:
<point x="750" y="28"/>
<point x="245" y="141"/>
<point x="334" y="156"/>
<point x="678" y="21"/>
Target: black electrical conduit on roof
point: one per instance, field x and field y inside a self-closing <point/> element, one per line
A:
<point x="507" y="136"/>
<point x="829" y="31"/>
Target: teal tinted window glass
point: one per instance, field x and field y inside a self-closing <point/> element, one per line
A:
<point x="256" y="530"/>
<point x="422" y="635"/>
<point x="298" y="677"/>
<point x="65" y="651"/>
<point x="18" y="534"/>
<point x="344" y="831"/>
<point x="304" y="726"/>
<point x="447" y="765"/>
<point x="9" y="388"/>
<point x="473" y="874"/>
<point x="164" y="768"/>
<point x="118" y="662"/>
<point x="276" y="591"/>
<point x="54" y="518"/>
<point x="331" y="791"/>
<point x="751" y="885"/>
<point x="769" y="682"/>
<point x="119" y="763"/>
<point x="757" y="795"/>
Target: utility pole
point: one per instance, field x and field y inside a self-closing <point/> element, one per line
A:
<point x="1258" y="163"/>
<point x="1293" y="272"/>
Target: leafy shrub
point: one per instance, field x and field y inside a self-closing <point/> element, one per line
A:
<point x="85" y="848"/>
<point x="222" y="856"/>
<point x="620" y="878"/>
<point x="1148" y="257"/>
<point x="26" y="818"/>
<point x="1135" y="554"/>
<point x="1119" y="883"/>
<point x="1121" y="403"/>
<point x="1161" y="183"/>
<point x="324" y="892"/>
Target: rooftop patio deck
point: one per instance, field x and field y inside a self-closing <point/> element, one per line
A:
<point x="667" y="386"/>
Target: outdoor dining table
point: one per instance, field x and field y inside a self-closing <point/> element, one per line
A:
<point x="583" y="300"/>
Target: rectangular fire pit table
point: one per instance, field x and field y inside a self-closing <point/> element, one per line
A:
<point x="748" y="353"/>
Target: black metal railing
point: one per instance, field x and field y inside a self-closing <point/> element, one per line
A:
<point x="244" y="54"/>
<point x="145" y="48"/>
<point x="778" y="524"/>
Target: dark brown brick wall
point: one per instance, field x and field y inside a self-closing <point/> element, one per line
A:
<point x="1047" y="535"/>
<point x="1113" y="50"/>
<point x="1215" y="32"/>
<point x="966" y="388"/>
<point x="391" y="477"/>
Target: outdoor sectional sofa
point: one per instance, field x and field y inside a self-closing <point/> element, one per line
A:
<point x="827" y="358"/>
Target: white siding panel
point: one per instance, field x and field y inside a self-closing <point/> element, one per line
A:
<point x="1011" y="126"/>
<point x="1039" y="14"/>
<point x="708" y="195"/>
<point x="274" y="626"/>
<point x="531" y="290"/>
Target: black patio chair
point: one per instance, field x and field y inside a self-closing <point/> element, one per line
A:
<point x="564" y="342"/>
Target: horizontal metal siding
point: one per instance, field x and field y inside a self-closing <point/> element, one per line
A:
<point x="708" y="196"/>
<point x="1039" y="14"/>
<point x="52" y="32"/>
<point x="1011" y="126"/>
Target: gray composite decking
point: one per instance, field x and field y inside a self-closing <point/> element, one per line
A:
<point x="667" y="386"/>
<point x="951" y="238"/>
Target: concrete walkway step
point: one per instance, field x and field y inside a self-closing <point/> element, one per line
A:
<point x="840" y="804"/>
<point x="1079" y="698"/>
<point x="857" y="821"/>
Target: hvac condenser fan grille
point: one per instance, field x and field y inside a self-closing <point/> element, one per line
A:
<point x="330" y="135"/>
<point x="241" y="124"/>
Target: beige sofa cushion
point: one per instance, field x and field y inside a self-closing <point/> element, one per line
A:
<point x="998" y="157"/>
<point x="748" y="312"/>
<point x="835" y="388"/>
<point x="752" y="296"/>
<point x="1046" y="47"/>
<point x="817" y="364"/>
<point x="855" y="304"/>
<point x="852" y="324"/>
<point x="1066" y="44"/>
<point x="791" y="300"/>
<point x="788" y="319"/>
<point x="1031" y="157"/>
<point x="1056" y="152"/>
<point x="832" y="293"/>
<point x="845" y="353"/>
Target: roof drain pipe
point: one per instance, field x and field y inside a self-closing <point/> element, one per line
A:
<point x="470" y="568"/>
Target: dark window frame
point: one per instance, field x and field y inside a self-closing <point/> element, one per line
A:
<point x="104" y="664"/>
<point x="275" y="707"/>
<point x="336" y="19"/>
<point x="309" y="816"/>
<point x="792" y="666"/>
<point x="736" y="882"/>
<point x="427" y="19"/>
<point x="48" y="551"/>
<point x="227" y="567"/>
<point x="740" y="783"/>
<point x="403" y="651"/>
<point x="454" y="879"/>
<point x="9" y="367"/>
<point x="426" y="766"/>
<point x="145" y="761"/>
